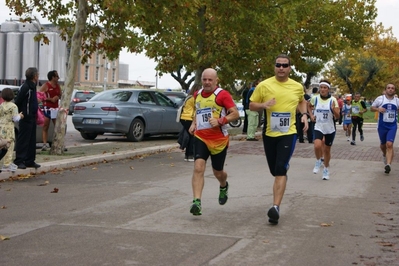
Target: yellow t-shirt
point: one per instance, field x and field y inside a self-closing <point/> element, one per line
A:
<point x="280" y="117"/>
<point x="188" y="110"/>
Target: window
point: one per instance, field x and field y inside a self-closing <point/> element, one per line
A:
<point x="97" y="59"/>
<point x="97" y="73"/>
<point x="163" y="100"/>
<point x="113" y="75"/>
<point x="112" y="96"/>
<point x="146" y="98"/>
<point x="86" y="72"/>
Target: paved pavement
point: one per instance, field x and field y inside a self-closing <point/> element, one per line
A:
<point x="135" y="210"/>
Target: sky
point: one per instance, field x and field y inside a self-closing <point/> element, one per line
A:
<point x="142" y="68"/>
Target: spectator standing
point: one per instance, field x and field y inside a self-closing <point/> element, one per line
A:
<point x="26" y="100"/>
<point x="315" y="92"/>
<point x="186" y="119"/>
<point x="52" y="90"/>
<point x="8" y="115"/>
<point x="214" y="109"/>
<point x="300" y="125"/>
<point x="387" y="106"/>
<point x="245" y="106"/>
<point x="253" y="116"/>
<point x="358" y="109"/>
<point x="326" y="110"/>
<point x="341" y="105"/>
<point x="280" y="96"/>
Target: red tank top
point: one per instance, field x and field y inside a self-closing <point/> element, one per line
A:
<point x="51" y="92"/>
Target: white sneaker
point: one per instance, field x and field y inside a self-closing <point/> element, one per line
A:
<point x="316" y="168"/>
<point x="326" y="174"/>
<point x="349" y="139"/>
<point x="45" y="147"/>
<point x="11" y="168"/>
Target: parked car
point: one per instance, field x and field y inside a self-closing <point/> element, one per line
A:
<point x="39" y="129"/>
<point x="79" y="96"/>
<point x="176" y="96"/>
<point x="133" y="112"/>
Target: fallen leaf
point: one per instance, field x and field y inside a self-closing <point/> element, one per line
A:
<point x="385" y="244"/>
<point x="131" y="167"/>
<point x="172" y="165"/>
<point x="4" y="237"/>
<point x="325" y="225"/>
<point x="44" y="184"/>
<point x="3" y="207"/>
<point x="55" y="190"/>
<point x="94" y="168"/>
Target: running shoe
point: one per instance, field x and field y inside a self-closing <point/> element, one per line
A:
<point x="326" y="174"/>
<point x="387" y="169"/>
<point x="190" y="159"/>
<point x="316" y="168"/>
<point x="273" y="214"/>
<point x="384" y="159"/>
<point x="45" y="147"/>
<point x="195" y="208"/>
<point x="353" y="142"/>
<point x="361" y="137"/>
<point x="349" y="139"/>
<point x="223" y="194"/>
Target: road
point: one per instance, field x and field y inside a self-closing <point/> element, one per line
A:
<point x="136" y="212"/>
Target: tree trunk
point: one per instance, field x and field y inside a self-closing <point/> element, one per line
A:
<point x="60" y="126"/>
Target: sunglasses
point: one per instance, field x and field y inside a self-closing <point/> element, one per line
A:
<point x="278" y="65"/>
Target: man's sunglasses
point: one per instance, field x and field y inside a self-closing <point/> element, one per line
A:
<point x="278" y="65"/>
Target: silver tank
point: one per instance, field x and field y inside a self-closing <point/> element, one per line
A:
<point x="13" y="56"/>
<point x="47" y="53"/>
<point x="9" y="26"/>
<point x="26" y="26"/>
<point x="30" y="52"/>
<point x="61" y="58"/>
<point x="2" y="54"/>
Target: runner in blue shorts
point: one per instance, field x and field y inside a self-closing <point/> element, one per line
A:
<point x="387" y="106"/>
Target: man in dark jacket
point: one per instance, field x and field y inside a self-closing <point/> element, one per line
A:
<point x="26" y="100"/>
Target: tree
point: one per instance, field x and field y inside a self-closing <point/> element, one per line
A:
<point x="87" y="26"/>
<point x="369" y="68"/>
<point x="241" y="38"/>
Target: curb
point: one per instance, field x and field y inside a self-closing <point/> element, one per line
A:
<point x="87" y="160"/>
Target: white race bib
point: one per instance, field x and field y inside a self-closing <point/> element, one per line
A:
<point x="202" y="118"/>
<point x="389" y="116"/>
<point x="280" y="122"/>
<point x="355" y="110"/>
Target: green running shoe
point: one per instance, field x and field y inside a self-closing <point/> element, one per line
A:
<point x="196" y="207"/>
<point x="223" y="194"/>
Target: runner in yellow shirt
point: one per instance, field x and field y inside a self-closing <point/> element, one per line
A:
<point x="280" y="96"/>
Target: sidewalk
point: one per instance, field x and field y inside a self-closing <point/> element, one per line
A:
<point x="111" y="150"/>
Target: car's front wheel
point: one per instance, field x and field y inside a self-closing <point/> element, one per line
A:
<point x="88" y="136"/>
<point x="136" y="131"/>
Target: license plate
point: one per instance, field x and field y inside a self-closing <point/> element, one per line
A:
<point x="92" y="121"/>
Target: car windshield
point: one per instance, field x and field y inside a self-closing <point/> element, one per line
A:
<point x="114" y="96"/>
<point x="84" y="95"/>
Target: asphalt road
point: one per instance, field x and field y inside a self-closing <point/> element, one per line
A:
<point x="135" y="211"/>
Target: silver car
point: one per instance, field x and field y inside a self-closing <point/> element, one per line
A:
<point x="133" y="112"/>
